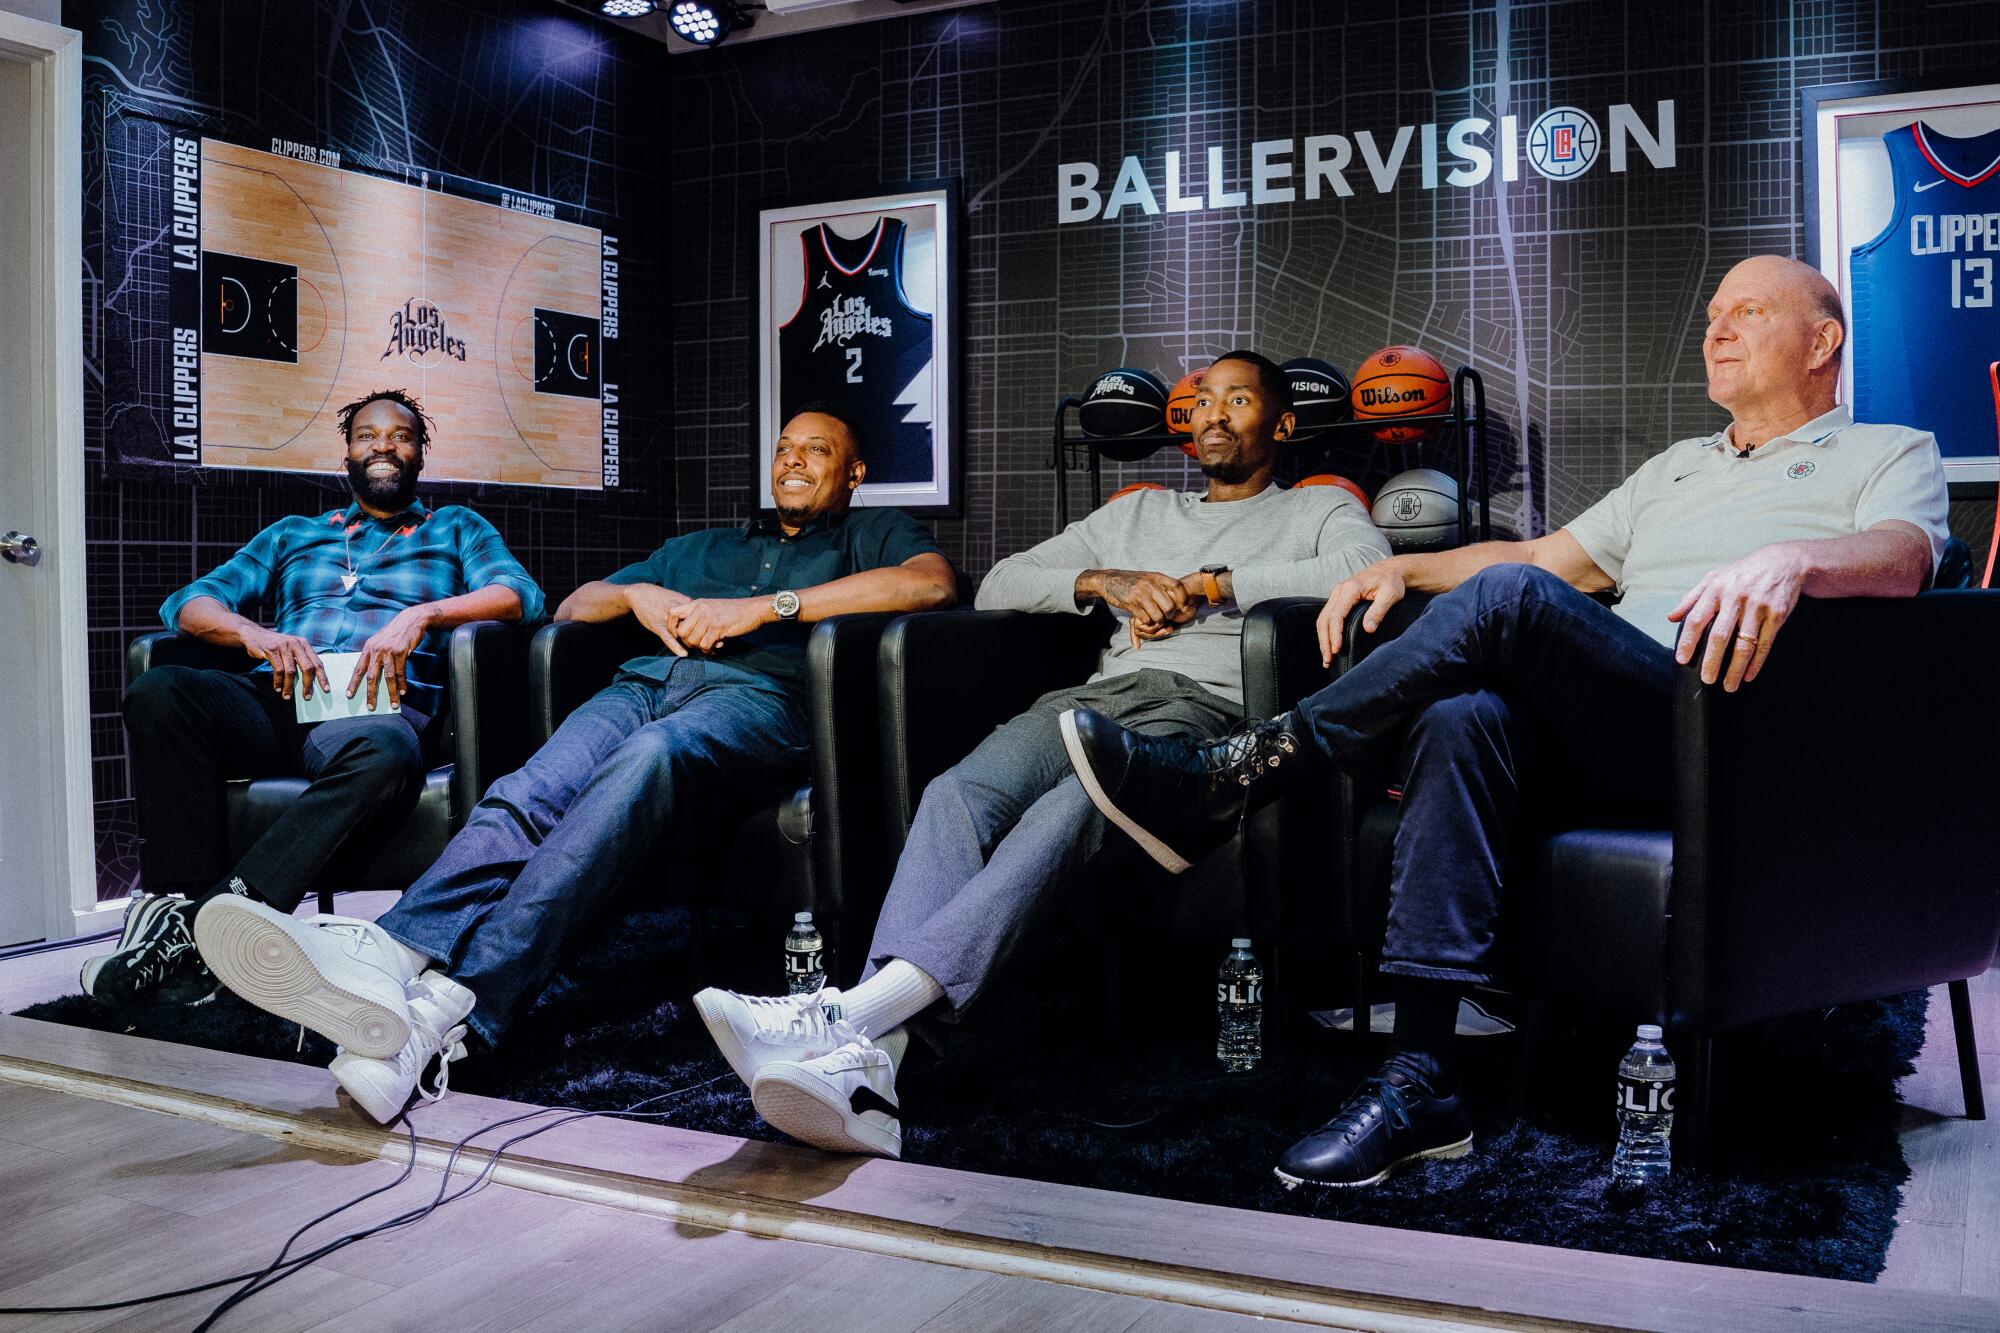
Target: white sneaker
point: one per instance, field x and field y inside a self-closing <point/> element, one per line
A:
<point x="382" y="1088"/>
<point x="334" y="974"/>
<point x="754" y="1030"/>
<point x="844" y="1101"/>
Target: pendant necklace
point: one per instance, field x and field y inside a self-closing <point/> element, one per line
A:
<point x="352" y="575"/>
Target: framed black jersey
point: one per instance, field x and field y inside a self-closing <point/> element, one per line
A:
<point x="856" y="308"/>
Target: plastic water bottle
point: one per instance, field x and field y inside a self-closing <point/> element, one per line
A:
<point x="805" y="956"/>
<point x="1239" y="1002"/>
<point x="1645" y="1111"/>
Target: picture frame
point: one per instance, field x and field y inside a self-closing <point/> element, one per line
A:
<point x="858" y="305"/>
<point x="1850" y="202"/>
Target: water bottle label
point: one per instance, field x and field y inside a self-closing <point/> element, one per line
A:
<point x="1242" y="991"/>
<point x="804" y="962"/>
<point x="1646" y="1096"/>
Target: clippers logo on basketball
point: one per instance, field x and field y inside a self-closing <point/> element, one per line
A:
<point x="1646" y="1096"/>
<point x="1408" y="505"/>
<point x="1924" y="291"/>
<point x="856" y="341"/>
<point x="418" y="328"/>
<point x="1798" y="470"/>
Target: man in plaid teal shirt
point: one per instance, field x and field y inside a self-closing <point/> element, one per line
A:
<point x="384" y="577"/>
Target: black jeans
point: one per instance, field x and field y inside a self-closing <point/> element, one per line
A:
<point x="1514" y="695"/>
<point x="193" y="729"/>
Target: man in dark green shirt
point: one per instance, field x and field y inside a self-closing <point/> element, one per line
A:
<point x="705" y="729"/>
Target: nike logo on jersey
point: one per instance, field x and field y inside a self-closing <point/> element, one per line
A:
<point x="865" y="1098"/>
<point x="1921" y="186"/>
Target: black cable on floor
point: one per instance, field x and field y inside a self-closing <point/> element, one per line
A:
<point x="282" y="1266"/>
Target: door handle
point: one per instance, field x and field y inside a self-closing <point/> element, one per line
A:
<point x="19" y="549"/>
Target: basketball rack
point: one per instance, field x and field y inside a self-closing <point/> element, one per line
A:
<point x="1464" y="427"/>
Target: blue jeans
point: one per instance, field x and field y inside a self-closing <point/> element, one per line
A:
<point x="549" y="845"/>
<point x="1512" y="697"/>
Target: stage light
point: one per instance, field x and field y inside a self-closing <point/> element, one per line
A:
<point x="705" y="22"/>
<point x="626" y="9"/>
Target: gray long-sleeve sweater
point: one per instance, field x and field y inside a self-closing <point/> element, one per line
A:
<point x="1279" y="543"/>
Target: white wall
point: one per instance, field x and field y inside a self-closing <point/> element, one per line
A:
<point x="43" y="11"/>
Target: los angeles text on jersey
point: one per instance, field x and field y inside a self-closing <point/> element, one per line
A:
<point x="1560" y="144"/>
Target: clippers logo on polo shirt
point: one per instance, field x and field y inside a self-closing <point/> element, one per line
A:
<point x="1799" y="470"/>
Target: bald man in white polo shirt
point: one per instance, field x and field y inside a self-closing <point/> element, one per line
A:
<point x="1516" y="683"/>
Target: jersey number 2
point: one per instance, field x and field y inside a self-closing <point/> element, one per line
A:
<point x="854" y="364"/>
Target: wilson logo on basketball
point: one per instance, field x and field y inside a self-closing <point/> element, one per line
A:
<point x="1180" y="418"/>
<point x="418" y="329"/>
<point x="1802" y="469"/>
<point x="1391" y="397"/>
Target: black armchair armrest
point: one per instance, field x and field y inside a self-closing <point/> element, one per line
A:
<point x="570" y="660"/>
<point x="948" y="678"/>
<point x="1825" y="849"/>
<point x="489" y="707"/>
<point x="170" y="648"/>
<point x="848" y="864"/>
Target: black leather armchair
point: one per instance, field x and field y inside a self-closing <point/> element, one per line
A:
<point x="815" y="846"/>
<point x="479" y="737"/>
<point x="1822" y="848"/>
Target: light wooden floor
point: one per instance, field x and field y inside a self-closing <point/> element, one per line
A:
<point x="81" y="1176"/>
<point x="105" y="1201"/>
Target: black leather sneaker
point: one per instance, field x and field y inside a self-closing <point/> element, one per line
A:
<point x="155" y="959"/>
<point x="1390" y="1120"/>
<point x="1177" y="798"/>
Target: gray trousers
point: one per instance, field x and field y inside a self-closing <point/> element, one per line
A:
<point x="1000" y="833"/>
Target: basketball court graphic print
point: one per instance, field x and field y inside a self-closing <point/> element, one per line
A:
<point x="320" y="285"/>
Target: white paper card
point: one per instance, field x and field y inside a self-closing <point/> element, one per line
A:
<point x="326" y="705"/>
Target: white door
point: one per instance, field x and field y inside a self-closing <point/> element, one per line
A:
<point x="46" y="873"/>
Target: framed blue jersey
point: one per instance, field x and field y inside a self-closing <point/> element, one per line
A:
<point x="1926" y="292"/>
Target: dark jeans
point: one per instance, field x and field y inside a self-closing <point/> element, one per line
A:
<point x="1512" y="693"/>
<point x="193" y="729"/>
<point x="549" y="845"/>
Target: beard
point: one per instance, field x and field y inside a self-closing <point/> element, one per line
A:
<point x="390" y="493"/>
<point x="1231" y="471"/>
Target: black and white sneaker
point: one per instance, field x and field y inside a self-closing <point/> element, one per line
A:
<point x="844" y="1101"/>
<point x="155" y="959"/>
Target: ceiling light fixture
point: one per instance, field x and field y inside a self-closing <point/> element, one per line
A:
<point x="705" y="22"/>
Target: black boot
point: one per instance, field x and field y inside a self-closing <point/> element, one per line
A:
<point x="1177" y="798"/>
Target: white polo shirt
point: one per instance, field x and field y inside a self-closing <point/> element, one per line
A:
<point x="1697" y="506"/>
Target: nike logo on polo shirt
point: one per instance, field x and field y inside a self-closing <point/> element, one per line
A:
<point x="1685" y="475"/>
<point x="1921" y="186"/>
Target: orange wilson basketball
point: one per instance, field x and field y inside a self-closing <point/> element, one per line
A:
<point x="1135" y="486"/>
<point x="1400" y="382"/>
<point x="1353" y="488"/>
<point x="1180" y="408"/>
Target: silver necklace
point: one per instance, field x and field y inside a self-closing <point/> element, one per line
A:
<point x="353" y="575"/>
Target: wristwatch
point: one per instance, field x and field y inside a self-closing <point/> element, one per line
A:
<point x="785" y="605"/>
<point x="1210" y="587"/>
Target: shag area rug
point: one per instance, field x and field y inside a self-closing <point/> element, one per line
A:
<point x="1043" y="1081"/>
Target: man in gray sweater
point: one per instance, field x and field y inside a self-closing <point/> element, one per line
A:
<point x="1007" y="827"/>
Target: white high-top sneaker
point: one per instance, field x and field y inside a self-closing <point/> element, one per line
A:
<point x="382" y="1088"/>
<point x="337" y="975"/>
<point x="754" y="1030"/>
<point x="844" y="1101"/>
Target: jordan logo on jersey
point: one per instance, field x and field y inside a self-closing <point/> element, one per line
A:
<point x="847" y="317"/>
